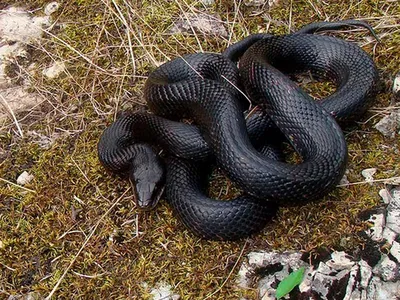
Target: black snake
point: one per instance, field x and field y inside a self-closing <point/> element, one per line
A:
<point x="209" y="89"/>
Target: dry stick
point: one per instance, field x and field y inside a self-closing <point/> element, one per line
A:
<point x="85" y="57"/>
<point x="122" y="18"/>
<point x="230" y="273"/>
<point x="239" y="90"/>
<point x="17" y="185"/>
<point x="385" y="180"/>
<point x="156" y="33"/>
<point x="235" y="16"/>
<point x="84" y="245"/>
<point x="12" y="115"/>
<point x="190" y="24"/>
<point x="134" y="35"/>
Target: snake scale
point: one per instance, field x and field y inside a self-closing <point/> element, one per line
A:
<point x="213" y="91"/>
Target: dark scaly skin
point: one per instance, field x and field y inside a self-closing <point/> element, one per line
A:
<point x="175" y="79"/>
<point x="209" y="218"/>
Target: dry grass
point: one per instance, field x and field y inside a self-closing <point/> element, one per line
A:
<point x="75" y="231"/>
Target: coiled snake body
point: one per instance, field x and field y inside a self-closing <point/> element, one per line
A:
<point x="205" y="88"/>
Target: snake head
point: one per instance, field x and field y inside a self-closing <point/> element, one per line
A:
<point x="147" y="178"/>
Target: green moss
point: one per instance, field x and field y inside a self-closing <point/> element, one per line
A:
<point x="42" y="230"/>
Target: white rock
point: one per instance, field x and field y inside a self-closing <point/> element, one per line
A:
<point x="395" y="251"/>
<point x="376" y="230"/>
<point x="389" y="235"/>
<point x="393" y="211"/>
<point x="351" y="289"/>
<point x="17" y="29"/>
<point x="24" y="178"/>
<point x="203" y="23"/>
<point x="18" y="99"/>
<point x="344" y="181"/>
<point x="208" y="2"/>
<point x="368" y="174"/>
<point x="50" y="8"/>
<point x="42" y="140"/>
<point x="305" y="285"/>
<point x="54" y="70"/>
<point x="243" y="280"/>
<point x="261" y="259"/>
<point x="385" y="195"/>
<point x="395" y="193"/>
<point x="365" y="273"/>
<point x="386" y="269"/>
<point x="255" y="2"/>
<point x="340" y="261"/>
<point x="322" y="283"/>
<point x="323" y="268"/>
<point x="18" y="25"/>
<point x="378" y="290"/>
<point x="396" y="84"/>
<point x="388" y="125"/>
<point x="270" y="3"/>
<point x="163" y="291"/>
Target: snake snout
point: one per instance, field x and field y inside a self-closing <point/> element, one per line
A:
<point x="147" y="178"/>
<point x="147" y="194"/>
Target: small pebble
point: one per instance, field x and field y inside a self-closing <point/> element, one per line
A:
<point x="368" y="174"/>
<point x="208" y="2"/>
<point x="54" y="70"/>
<point x="24" y="178"/>
<point x="388" y="125"/>
<point x="396" y="84"/>
<point x="51" y="8"/>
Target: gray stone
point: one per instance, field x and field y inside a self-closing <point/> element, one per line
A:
<point x="395" y="251"/>
<point x="389" y="235"/>
<point x="368" y="174"/>
<point x="377" y="290"/>
<point x="322" y="283"/>
<point x="352" y="291"/>
<point x="24" y="178"/>
<point x="386" y="269"/>
<point x="385" y="195"/>
<point x="51" y="8"/>
<point x="200" y="23"/>
<point x="396" y="84"/>
<point x="393" y="211"/>
<point x="18" y="26"/>
<point x="365" y="274"/>
<point x="339" y="261"/>
<point x="208" y="2"/>
<point x="54" y="70"/>
<point x="388" y="125"/>
<point x="163" y="291"/>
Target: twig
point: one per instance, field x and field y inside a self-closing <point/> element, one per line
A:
<point x="122" y="18"/>
<point x="386" y="180"/>
<point x="17" y="185"/>
<point x="84" y="245"/>
<point x="230" y="273"/>
<point x="12" y="115"/>
<point x="90" y="276"/>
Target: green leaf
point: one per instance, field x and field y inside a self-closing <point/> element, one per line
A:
<point x="289" y="283"/>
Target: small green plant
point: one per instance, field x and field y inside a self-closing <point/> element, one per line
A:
<point x="289" y="283"/>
